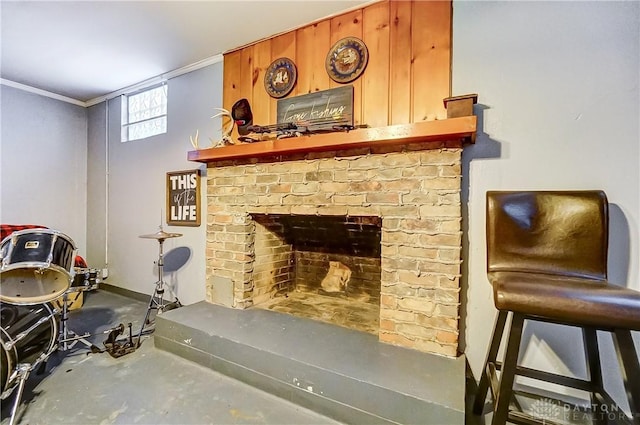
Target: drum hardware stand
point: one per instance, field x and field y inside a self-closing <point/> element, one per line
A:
<point x="22" y="373"/>
<point x="157" y="301"/>
<point x="118" y="349"/>
<point x="67" y="337"/>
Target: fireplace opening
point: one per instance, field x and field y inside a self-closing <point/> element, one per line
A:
<point x="325" y="268"/>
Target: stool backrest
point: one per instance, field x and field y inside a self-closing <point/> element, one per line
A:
<point x="555" y="232"/>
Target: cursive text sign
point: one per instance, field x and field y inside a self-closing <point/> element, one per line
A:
<point x="183" y="198"/>
<point x="326" y="107"/>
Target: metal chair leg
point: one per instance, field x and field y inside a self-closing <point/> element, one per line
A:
<point x="594" y="369"/>
<point x="630" y="370"/>
<point x="507" y="375"/>
<point x="492" y="354"/>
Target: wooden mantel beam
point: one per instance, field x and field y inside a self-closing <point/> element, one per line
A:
<point x="461" y="129"/>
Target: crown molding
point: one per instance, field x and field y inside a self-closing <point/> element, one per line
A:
<point x="157" y="79"/>
<point x="138" y="86"/>
<point x="41" y="92"/>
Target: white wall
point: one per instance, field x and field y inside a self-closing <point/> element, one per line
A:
<point x="96" y="187"/>
<point x="43" y="163"/>
<point x="136" y="173"/>
<point x="558" y="108"/>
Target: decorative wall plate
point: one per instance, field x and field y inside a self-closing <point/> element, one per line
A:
<point x="280" y="77"/>
<point x="347" y="59"/>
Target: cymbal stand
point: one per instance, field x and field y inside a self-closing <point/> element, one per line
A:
<point x="157" y="301"/>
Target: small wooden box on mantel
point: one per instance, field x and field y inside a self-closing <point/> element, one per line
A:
<point x="460" y="106"/>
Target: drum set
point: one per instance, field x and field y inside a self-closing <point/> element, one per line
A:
<point x="37" y="279"/>
<point x="36" y="272"/>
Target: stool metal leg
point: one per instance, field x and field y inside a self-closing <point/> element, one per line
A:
<point x="507" y="375"/>
<point x="594" y="369"/>
<point x="483" y="385"/>
<point x="630" y="370"/>
<point x="592" y="356"/>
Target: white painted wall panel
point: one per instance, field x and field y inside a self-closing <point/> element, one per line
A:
<point x="558" y="108"/>
<point x="44" y="163"/>
<point x="136" y="191"/>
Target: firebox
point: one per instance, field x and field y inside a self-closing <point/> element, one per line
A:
<point x="325" y="268"/>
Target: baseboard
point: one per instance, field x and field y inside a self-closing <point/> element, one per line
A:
<point x="138" y="296"/>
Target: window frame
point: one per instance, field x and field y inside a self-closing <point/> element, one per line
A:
<point x="126" y="113"/>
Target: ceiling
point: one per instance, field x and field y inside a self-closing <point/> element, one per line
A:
<point x="87" y="49"/>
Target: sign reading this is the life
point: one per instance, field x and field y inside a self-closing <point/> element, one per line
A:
<point x="183" y="198"/>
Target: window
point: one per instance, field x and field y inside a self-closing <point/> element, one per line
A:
<point x="144" y="114"/>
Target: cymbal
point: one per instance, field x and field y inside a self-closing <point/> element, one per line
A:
<point x="161" y="235"/>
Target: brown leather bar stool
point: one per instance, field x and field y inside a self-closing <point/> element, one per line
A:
<point x="547" y="261"/>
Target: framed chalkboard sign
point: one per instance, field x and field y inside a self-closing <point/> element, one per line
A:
<point x="323" y="108"/>
<point x="183" y="198"/>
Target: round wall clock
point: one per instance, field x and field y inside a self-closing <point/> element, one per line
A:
<point x="347" y="59"/>
<point x="280" y="77"/>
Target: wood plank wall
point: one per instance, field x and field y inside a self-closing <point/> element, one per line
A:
<point x="408" y="74"/>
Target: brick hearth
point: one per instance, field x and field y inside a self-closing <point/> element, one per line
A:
<point x="416" y="193"/>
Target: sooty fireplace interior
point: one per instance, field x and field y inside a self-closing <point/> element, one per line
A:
<point x="326" y="268"/>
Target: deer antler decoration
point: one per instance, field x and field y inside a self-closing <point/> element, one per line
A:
<point x="227" y="128"/>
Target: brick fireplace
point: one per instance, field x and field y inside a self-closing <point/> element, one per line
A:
<point x="257" y="250"/>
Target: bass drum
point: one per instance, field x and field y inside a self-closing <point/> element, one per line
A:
<point x="29" y="335"/>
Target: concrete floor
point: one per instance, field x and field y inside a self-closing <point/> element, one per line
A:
<point x="148" y="386"/>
